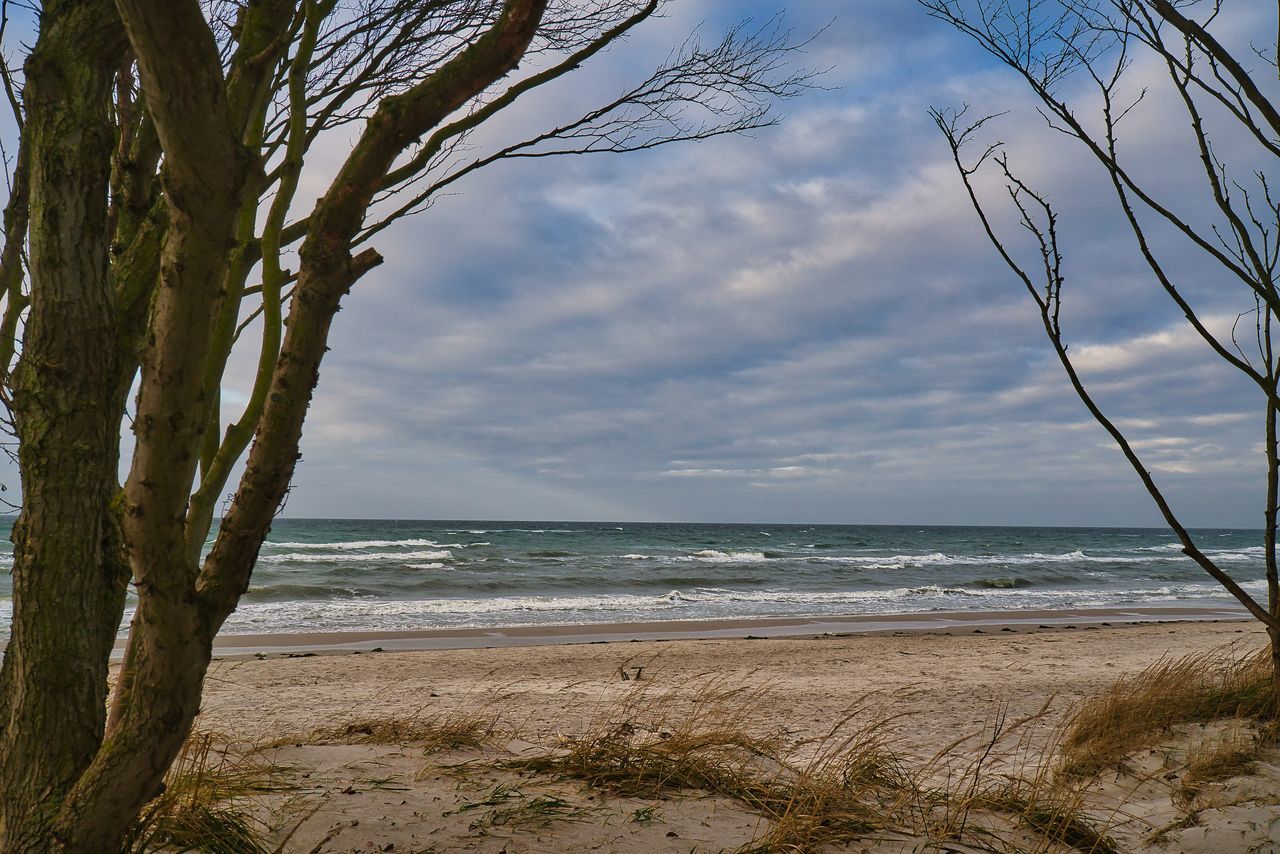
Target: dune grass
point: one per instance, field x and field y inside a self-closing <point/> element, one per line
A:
<point x="637" y="747"/>
<point x="849" y="785"/>
<point x="511" y="808"/>
<point x="1019" y="786"/>
<point x="445" y="731"/>
<point x="1057" y="813"/>
<point x="1138" y="710"/>
<point x="1231" y="753"/>
<point x="207" y="804"/>
<point x="854" y="783"/>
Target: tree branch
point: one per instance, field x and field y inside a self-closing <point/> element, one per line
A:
<point x="1048" y="304"/>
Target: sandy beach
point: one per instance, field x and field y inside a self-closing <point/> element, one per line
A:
<point x="323" y="710"/>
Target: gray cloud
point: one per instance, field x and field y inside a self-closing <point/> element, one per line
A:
<point x="803" y="325"/>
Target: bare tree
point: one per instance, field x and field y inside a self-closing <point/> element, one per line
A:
<point x="153" y="226"/>
<point x="1234" y="222"/>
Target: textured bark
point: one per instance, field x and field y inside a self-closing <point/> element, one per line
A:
<point x="12" y="271"/>
<point x="1273" y="638"/>
<point x="66" y="542"/>
<point x="207" y="180"/>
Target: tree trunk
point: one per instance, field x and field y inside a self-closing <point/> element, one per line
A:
<point x="208" y="179"/>
<point x="169" y="649"/>
<point x="1274" y="647"/>
<point x="67" y="544"/>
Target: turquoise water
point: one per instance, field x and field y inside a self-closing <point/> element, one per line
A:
<point x="325" y="575"/>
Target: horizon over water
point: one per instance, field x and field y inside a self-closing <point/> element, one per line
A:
<point x="316" y="575"/>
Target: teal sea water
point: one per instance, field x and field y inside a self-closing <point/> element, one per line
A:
<point x="335" y="575"/>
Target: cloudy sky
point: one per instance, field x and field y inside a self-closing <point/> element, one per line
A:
<point x="803" y="325"/>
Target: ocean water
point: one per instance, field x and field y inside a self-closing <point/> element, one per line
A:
<point x="342" y="575"/>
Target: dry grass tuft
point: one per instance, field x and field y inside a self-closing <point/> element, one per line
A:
<point x="634" y="748"/>
<point x="853" y="784"/>
<point x="206" y="805"/>
<point x="1233" y="753"/>
<point x="510" y="808"/>
<point x="845" y="787"/>
<point x="1056" y="813"/>
<point x="1005" y="797"/>
<point x="470" y="728"/>
<point x="1137" y="710"/>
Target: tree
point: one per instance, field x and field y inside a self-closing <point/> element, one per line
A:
<point x="1234" y="223"/>
<point x="152" y="219"/>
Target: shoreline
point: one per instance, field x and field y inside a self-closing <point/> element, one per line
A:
<point x="235" y="645"/>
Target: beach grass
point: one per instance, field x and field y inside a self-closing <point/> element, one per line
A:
<point x="509" y="807"/>
<point x="1050" y="779"/>
<point x="1136" y="711"/>
<point x="848" y="785"/>
<point x="637" y="747"/>
<point x="852" y="783"/>
<point x="468" y="727"/>
<point x="1231" y="753"/>
<point x="208" y="801"/>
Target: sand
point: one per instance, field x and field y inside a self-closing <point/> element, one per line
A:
<point x="937" y="685"/>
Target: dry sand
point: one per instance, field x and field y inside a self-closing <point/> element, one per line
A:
<point x="939" y="685"/>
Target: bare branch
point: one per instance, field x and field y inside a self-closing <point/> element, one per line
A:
<point x="700" y="92"/>
<point x="1042" y="228"/>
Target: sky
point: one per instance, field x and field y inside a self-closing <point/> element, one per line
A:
<point x="802" y="325"/>
<point x="805" y="324"/>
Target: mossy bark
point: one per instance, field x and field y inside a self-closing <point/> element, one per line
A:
<point x="69" y="575"/>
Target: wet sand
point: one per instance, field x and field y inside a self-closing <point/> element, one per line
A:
<point x="778" y="627"/>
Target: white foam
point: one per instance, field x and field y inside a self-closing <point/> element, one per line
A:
<point x="715" y="556"/>
<point x="1240" y="553"/>
<point x="1167" y="547"/>
<point x="351" y="545"/>
<point x="900" y="561"/>
<point x="341" y="557"/>
<point x="522" y="531"/>
<point x="1248" y="553"/>
<point x="698" y="602"/>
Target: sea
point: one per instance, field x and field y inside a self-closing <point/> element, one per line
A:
<point x="318" y="575"/>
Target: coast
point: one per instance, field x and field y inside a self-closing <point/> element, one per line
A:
<point x="667" y="630"/>
<point x="931" y="680"/>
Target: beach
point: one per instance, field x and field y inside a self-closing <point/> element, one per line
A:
<point x="932" y="686"/>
